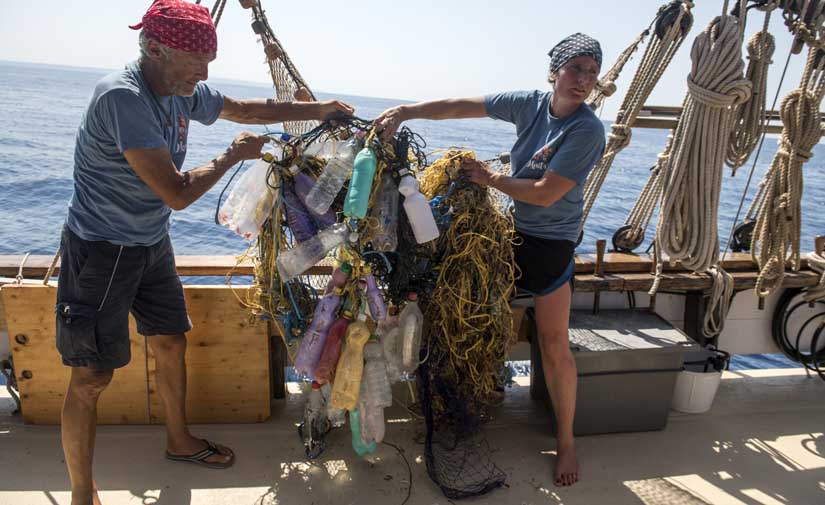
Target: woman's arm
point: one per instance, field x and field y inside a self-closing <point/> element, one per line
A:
<point x="449" y="108"/>
<point x="543" y="192"/>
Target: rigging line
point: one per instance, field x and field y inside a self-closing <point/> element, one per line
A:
<point x="756" y="158"/>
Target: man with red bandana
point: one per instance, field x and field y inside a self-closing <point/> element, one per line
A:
<point x="116" y="256"/>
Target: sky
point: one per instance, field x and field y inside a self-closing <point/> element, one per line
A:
<point x="412" y="50"/>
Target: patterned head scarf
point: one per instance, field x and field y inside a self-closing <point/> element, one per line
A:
<point x="573" y="46"/>
<point x="180" y="25"/>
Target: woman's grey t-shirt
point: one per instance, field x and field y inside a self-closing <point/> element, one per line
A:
<point x="110" y="201"/>
<point x="569" y="146"/>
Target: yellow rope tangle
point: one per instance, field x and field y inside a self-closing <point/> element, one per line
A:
<point x="469" y="312"/>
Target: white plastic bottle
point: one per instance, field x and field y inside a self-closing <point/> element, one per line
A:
<point x="418" y="210"/>
<point x="388" y="334"/>
<point x="331" y="180"/>
<point x="305" y="255"/>
<point x="410" y="325"/>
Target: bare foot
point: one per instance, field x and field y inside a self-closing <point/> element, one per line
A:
<point x="192" y="445"/>
<point x="566" y="472"/>
<point x="85" y="500"/>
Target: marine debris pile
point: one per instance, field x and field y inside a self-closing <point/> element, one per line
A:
<point x="423" y="271"/>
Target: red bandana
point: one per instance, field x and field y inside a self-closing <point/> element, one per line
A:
<point x="180" y="25"/>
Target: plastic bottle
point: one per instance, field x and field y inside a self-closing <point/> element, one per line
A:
<point x="337" y="417"/>
<point x="251" y="200"/>
<point x="351" y="365"/>
<point x="316" y="335"/>
<point x="410" y="324"/>
<point x="358" y="194"/>
<point x="388" y="334"/>
<point x="303" y="185"/>
<point x="297" y="216"/>
<point x="375" y="299"/>
<point x="375" y="374"/>
<point x="360" y="447"/>
<point x="331" y="180"/>
<point x="418" y="210"/>
<point x="314" y="426"/>
<point x="339" y="277"/>
<point x="301" y="258"/>
<point x="325" y="370"/>
<point x="325" y="149"/>
<point x="386" y="212"/>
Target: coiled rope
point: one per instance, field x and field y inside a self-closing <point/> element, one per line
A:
<point x="657" y="56"/>
<point x="686" y="230"/>
<point x="750" y="118"/>
<point x="776" y="238"/>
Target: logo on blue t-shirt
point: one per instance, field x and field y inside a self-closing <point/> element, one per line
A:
<point x="183" y="124"/>
<point x="541" y="159"/>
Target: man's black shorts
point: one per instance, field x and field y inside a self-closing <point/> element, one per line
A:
<point x="545" y="264"/>
<point x="99" y="284"/>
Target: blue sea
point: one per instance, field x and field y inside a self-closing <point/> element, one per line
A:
<point x="42" y="105"/>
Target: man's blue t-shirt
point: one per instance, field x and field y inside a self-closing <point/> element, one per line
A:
<point x="110" y="201"/>
<point x="570" y="146"/>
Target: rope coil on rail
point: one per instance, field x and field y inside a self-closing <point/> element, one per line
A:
<point x="686" y="230"/>
<point x="776" y="238"/>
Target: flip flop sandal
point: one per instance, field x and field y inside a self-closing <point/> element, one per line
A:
<point x="199" y="458"/>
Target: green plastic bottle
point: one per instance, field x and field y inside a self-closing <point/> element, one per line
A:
<point x="358" y="194"/>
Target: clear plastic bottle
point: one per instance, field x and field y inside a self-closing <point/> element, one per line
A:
<point x="300" y="222"/>
<point x="337" y="417"/>
<point x="410" y="325"/>
<point x="388" y="334"/>
<point x="386" y="212"/>
<point x="358" y="194"/>
<point x="418" y="210"/>
<point x="302" y="257"/>
<point x="303" y="186"/>
<point x="339" y="277"/>
<point x="314" y="426"/>
<point x="351" y="365"/>
<point x="324" y="149"/>
<point x="316" y="335"/>
<point x="375" y="299"/>
<point x="331" y="180"/>
<point x="375" y="374"/>
<point x="325" y="370"/>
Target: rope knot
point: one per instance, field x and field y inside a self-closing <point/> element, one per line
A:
<point x="621" y="133"/>
<point x="737" y="92"/>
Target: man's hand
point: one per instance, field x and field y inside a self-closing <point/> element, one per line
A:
<point x="246" y="146"/>
<point x="389" y="121"/>
<point x="334" y="109"/>
<point x="478" y="171"/>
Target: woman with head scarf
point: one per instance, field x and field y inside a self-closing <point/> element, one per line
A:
<point x="560" y="139"/>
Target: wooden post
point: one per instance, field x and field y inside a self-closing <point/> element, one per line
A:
<point x="599" y="272"/>
<point x="695" y="306"/>
<point x="278" y="360"/>
<point x="652" y="304"/>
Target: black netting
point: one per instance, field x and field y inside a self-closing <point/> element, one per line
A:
<point x="456" y="449"/>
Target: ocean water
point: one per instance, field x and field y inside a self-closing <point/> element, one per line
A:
<point x="41" y="108"/>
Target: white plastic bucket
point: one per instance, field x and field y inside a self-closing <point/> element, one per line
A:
<point x="695" y="391"/>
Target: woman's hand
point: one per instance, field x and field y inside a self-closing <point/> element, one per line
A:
<point x="478" y="171"/>
<point x="334" y="109"/>
<point x="389" y="121"/>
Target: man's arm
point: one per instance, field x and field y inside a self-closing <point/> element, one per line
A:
<point x="269" y="111"/>
<point x="178" y="190"/>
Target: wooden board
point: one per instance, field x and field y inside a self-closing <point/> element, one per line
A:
<point x="30" y="313"/>
<point x="227" y="361"/>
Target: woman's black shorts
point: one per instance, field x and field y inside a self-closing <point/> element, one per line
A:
<point x="545" y="264"/>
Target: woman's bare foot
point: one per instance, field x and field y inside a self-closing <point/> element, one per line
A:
<point x="566" y="472"/>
